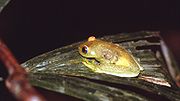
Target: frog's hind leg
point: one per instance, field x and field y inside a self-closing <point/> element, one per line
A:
<point x="120" y="71"/>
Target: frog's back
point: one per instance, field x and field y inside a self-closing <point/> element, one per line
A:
<point x="124" y="58"/>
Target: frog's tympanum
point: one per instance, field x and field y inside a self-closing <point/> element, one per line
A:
<point x="106" y="57"/>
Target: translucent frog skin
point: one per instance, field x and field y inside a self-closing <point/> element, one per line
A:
<point x="106" y="57"/>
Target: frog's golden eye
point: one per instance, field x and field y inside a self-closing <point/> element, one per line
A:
<point x="85" y="49"/>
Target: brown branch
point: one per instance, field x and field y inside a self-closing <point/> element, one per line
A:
<point x="178" y="80"/>
<point x="17" y="82"/>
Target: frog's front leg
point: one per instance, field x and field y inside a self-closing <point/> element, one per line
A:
<point x="92" y="64"/>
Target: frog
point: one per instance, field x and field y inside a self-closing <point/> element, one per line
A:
<point x="109" y="58"/>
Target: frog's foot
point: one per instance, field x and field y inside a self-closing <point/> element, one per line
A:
<point x="90" y="63"/>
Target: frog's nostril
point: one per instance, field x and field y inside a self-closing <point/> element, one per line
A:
<point x="85" y="49"/>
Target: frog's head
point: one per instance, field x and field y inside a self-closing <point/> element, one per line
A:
<point x="87" y="49"/>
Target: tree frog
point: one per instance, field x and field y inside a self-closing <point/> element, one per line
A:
<point x="106" y="57"/>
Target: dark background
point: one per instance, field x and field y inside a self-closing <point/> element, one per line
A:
<point x="32" y="27"/>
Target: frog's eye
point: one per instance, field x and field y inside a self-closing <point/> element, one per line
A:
<point x="84" y="49"/>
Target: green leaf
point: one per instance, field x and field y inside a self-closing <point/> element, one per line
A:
<point x="61" y="70"/>
<point x="3" y="3"/>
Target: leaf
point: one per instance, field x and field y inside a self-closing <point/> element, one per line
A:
<point x="61" y="70"/>
<point x="3" y="3"/>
